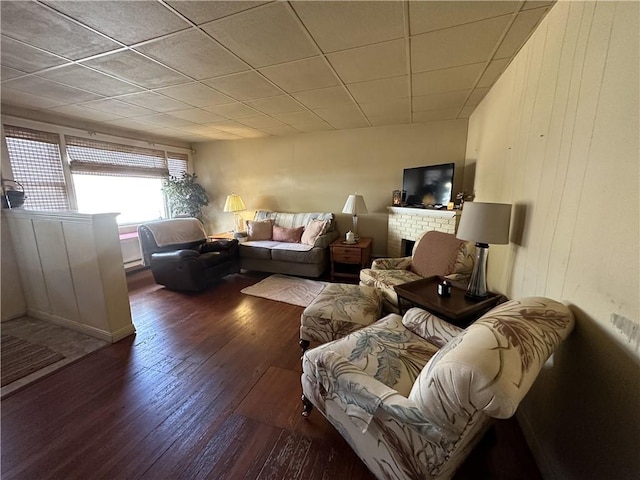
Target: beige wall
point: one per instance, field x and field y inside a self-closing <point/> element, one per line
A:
<point x="557" y="136"/>
<point x="12" y="297"/>
<point x="315" y="172"/>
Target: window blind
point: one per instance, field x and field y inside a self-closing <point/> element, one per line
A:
<point x="37" y="164"/>
<point x="95" y="157"/>
<point x="177" y="163"/>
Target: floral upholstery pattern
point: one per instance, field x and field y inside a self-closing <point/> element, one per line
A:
<point x="462" y="379"/>
<point x="385" y="273"/>
<point x="338" y="310"/>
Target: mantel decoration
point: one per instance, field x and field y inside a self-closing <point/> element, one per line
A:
<point x="185" y="196"/>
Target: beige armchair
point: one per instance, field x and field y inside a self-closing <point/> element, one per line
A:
<point x="434" y="253"/>
<point x="414" y="395"/>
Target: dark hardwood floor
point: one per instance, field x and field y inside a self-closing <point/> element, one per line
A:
<point x="209" y="387"/>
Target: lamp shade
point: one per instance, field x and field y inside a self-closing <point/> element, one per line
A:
<point x="233" y="204"/>
<point x="355" y="205"/>
<point x="485" y="223"/>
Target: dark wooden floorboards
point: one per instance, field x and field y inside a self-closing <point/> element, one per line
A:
<point x="209" y="387"/>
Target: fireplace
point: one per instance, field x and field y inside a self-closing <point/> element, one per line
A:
<point x="407" y="224"/>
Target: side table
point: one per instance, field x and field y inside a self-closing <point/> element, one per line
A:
<point x="348" y="259"/>
<point x="456" y="309"/>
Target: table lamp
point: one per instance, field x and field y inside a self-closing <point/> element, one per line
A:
<point x="355" y="206"/>
<point x="235" y="204"/>
<point x="483" y="223"/>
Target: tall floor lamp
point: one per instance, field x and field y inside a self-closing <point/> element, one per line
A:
<point x="235" y="204"/>
<point x="355" y="206"/>
<point x="483" y="223"/>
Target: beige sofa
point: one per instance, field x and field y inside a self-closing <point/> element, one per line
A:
<point x="289" y="258"/>
<point x="413" y="395"/>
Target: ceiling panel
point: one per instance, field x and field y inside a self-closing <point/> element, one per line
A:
<point x="223" y="70"/>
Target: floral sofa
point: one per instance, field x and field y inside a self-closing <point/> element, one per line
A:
<point x="287" y="245"/>
<point x="413" y="395"/>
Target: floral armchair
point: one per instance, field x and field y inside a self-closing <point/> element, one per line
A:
<point x="414" y="395"/>
<point x="435" y="253"/>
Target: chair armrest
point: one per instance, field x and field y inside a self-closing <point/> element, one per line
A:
<point x="219" y="246"/>
<point x="426" y="325"/>
<point x="400" y="263"/>
<point x="326" y="239"/>
<point x="175" y="256"/>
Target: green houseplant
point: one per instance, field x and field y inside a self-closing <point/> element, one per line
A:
<point x="185" y="196"/>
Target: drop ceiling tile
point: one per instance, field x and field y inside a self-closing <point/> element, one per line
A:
<point x="252" y="133"/>
<point x="166" y="132"/>
<point x="261" y="121"/>
<point x="133" y="123"/>
<point x="238" y="129"/>
<point x="85" y="113"/>
<point x="195" y="129"/>
<point x="440" y="101"/>
<point x="300" y="118"/>
<point x="244" y="86"/>
<point x="281" y="130"/>
<point x="519" y="32"/>
<point x="195" y="94"/>
<point x="154" y="101"/>
<point x="194" y="54"/>
<point x="348" y="116"/>
<point x="470" y="43"/>
<point x="314" y="127"/>
<point x="429" y="16"/>
<point x="493" y="72"/>
<point x="56" y="91"/>
<point x="36" y="25"/>
<point x="325" y="97"/>
<point x="389" y="88"/>
<point x="446" y="79"/>
<point x="137" y="69"/>
<point x="233" y="110"/>
<point x="126" y="22"/>
<point x="96" y="82"/>
<point x="476" y="96"/>
<point x="276" y="105"/>
<point x="201" y="12"/>
<point x="435" y="115"/>
<point x="387" y="112"/>
<point x="466" y="111"/>
<point x="117" y="107"/>
<point x="196" y="115"/>
<point x="263" y="36"/>
<point x="341" y="25"/>
<point x="26" y="58"/>
<point x="220" y="135"/>
<point x="8" y="73"/>
<point x="371" y="62"/>
<point x="535" y="4"/>
<point x="307" y="74"/>
<point x="163" y="120"/>
<point x="11" y="96"/>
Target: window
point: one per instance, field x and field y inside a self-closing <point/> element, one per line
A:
<point x="37" y="166"/>
<point x="177" y="163"/>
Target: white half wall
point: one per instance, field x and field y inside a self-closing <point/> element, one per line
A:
<point x="315" y="172"/>
<point x="557" y="136"/>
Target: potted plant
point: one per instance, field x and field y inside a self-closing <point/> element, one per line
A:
<point x="185" y="196"/>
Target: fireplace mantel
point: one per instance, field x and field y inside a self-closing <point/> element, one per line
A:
<point x="409" y="223"/>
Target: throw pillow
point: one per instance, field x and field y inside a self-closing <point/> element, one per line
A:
<point x="313" y="230"/>
<point x="289" y="235"/>
<point x="261" y="230"/>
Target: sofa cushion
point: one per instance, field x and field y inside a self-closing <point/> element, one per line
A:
<point x="313" y="230"/>
<point x="284" y="234"/>
<point x="436" y="254"/>
<point x="252" y="251"/>
<point x="260" y="230"/>
<point x="313" y="255"/>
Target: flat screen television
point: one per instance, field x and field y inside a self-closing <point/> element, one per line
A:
<point x="428" y="186"/>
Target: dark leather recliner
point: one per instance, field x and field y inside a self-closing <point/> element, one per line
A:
<point x="180" y="256"/>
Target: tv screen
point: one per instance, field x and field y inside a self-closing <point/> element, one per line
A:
<point x="428" y="186"/>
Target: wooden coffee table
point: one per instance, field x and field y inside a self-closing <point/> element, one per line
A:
<point x="456" y="309"/>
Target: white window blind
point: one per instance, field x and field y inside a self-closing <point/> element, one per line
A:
<point x="177" y="163"/>
<point x="95" y="157"/>
<point x="37" y="165"/>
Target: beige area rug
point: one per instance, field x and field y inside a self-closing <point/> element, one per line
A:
<point x="283" y="288"/>
<point x="20" y="358"/>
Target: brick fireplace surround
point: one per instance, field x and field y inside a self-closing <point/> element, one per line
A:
<point x="408" y="223"/>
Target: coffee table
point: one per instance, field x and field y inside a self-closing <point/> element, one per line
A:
<point x="456" y="309"/>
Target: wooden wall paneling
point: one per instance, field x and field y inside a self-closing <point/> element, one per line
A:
<point x="56" y="270"/>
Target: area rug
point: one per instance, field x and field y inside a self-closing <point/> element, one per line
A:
<point x="283" y="288"/>
<point x="20" y="358"/>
